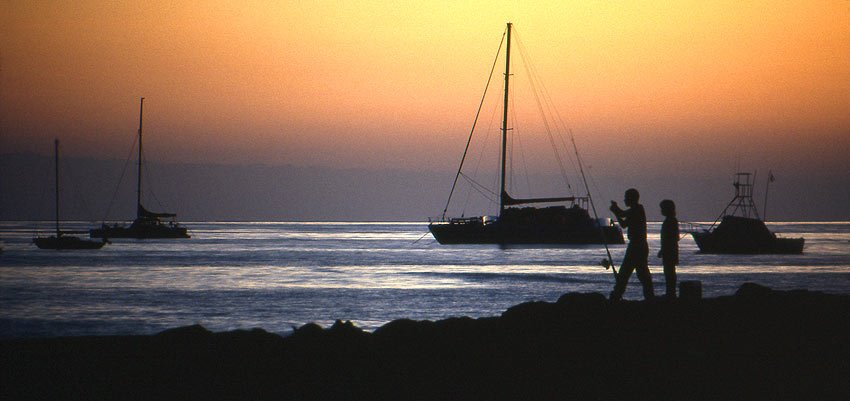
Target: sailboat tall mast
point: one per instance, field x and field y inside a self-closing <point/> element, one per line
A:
<point x="503" y="193"/>
<point x="56" y="171"/>
<point x="139" y="181"/>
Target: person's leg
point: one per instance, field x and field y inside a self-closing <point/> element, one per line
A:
<point x="670" y="279"/>
<point x="623" y="275"/>
<point x="622" y="279"/>
<point x="645" y="278"/>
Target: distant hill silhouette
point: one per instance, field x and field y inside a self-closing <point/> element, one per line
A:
<point x="198" y="192"/>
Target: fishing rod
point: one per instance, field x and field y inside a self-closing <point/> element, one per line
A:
<point x="610" y="261"/>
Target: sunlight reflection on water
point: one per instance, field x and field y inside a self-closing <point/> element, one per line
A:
<point x="279" y="275"/>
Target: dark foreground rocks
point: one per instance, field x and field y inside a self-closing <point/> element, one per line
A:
<point x="757" y="344"/>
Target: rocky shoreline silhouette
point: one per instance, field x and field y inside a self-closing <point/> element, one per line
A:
<point x="757" y="344"/>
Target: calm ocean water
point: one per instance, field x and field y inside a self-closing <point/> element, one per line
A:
<point x="279" y="275"/>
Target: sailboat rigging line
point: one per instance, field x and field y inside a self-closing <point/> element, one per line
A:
<point x="72" y="181"/>
<point x="565" y="128"/>
<point x="593" y="206"/>
<point x="150" y="189"/>
<point x="44" y="175"/>
<point x="535" y="92"/>
<point x="484" y="191"/>
<point x="511" y="146"/>
<point x="516" y="144"/>
<point x="519" y="143"/>
<point x="121" y="179"/>
<point x="474" y="122"/>
<point x="478" y="163"/>
<point x="560" y="124"/>
<point x="420" y="238"/>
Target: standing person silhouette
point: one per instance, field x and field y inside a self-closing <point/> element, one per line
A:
<point x="637" y="252"/>
<point x="669" y="252"/>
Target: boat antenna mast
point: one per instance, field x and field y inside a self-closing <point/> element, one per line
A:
<point x="766" y="188"/>
<point x="744" y="195"/>
<point x="743" y="200"/>
<point x="139" y="180"/>
<point x="503" y="195"/>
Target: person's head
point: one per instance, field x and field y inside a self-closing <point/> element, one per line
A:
<point x="632" y="197"/>
<point x="668" y="208"/>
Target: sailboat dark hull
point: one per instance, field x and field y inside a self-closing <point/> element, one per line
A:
<point x="452" y="233"/>
<point x="66" y="242"/>
<point x="740" y="235"/>
<point x="140" y="230"/>
<point x="528" y="226"/>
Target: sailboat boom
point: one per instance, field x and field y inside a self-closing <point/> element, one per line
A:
<point x="508" y="201"/>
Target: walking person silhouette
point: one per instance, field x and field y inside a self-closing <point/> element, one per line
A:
<point x="637" y="252"/>
<point x="669" y="252"/>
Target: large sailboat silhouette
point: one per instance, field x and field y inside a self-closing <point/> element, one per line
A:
<point x="552" y="225"/>
<point x="147" y="224"/>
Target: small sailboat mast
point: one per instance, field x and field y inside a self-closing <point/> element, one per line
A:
<point x="503" y="194"/>
<point x="56" y="175"/>
<point x="139" y="180"/>
<point x="60" y="241"/>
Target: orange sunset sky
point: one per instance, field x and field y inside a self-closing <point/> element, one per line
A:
<point x="378" y="84"/>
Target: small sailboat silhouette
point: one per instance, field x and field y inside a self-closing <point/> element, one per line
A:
<point x="61" y="240"/>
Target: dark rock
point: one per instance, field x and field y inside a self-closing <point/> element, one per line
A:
<point x="576" y="301"/>
<point x="535" y="312"/>
<point x="404" y="329"/>
<point x="195" y="331"/>
<point x="308" y="330"/>
<point x="342" y="329"/>
<point x="758" y="344"/>
<point x="753" y="291"/>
